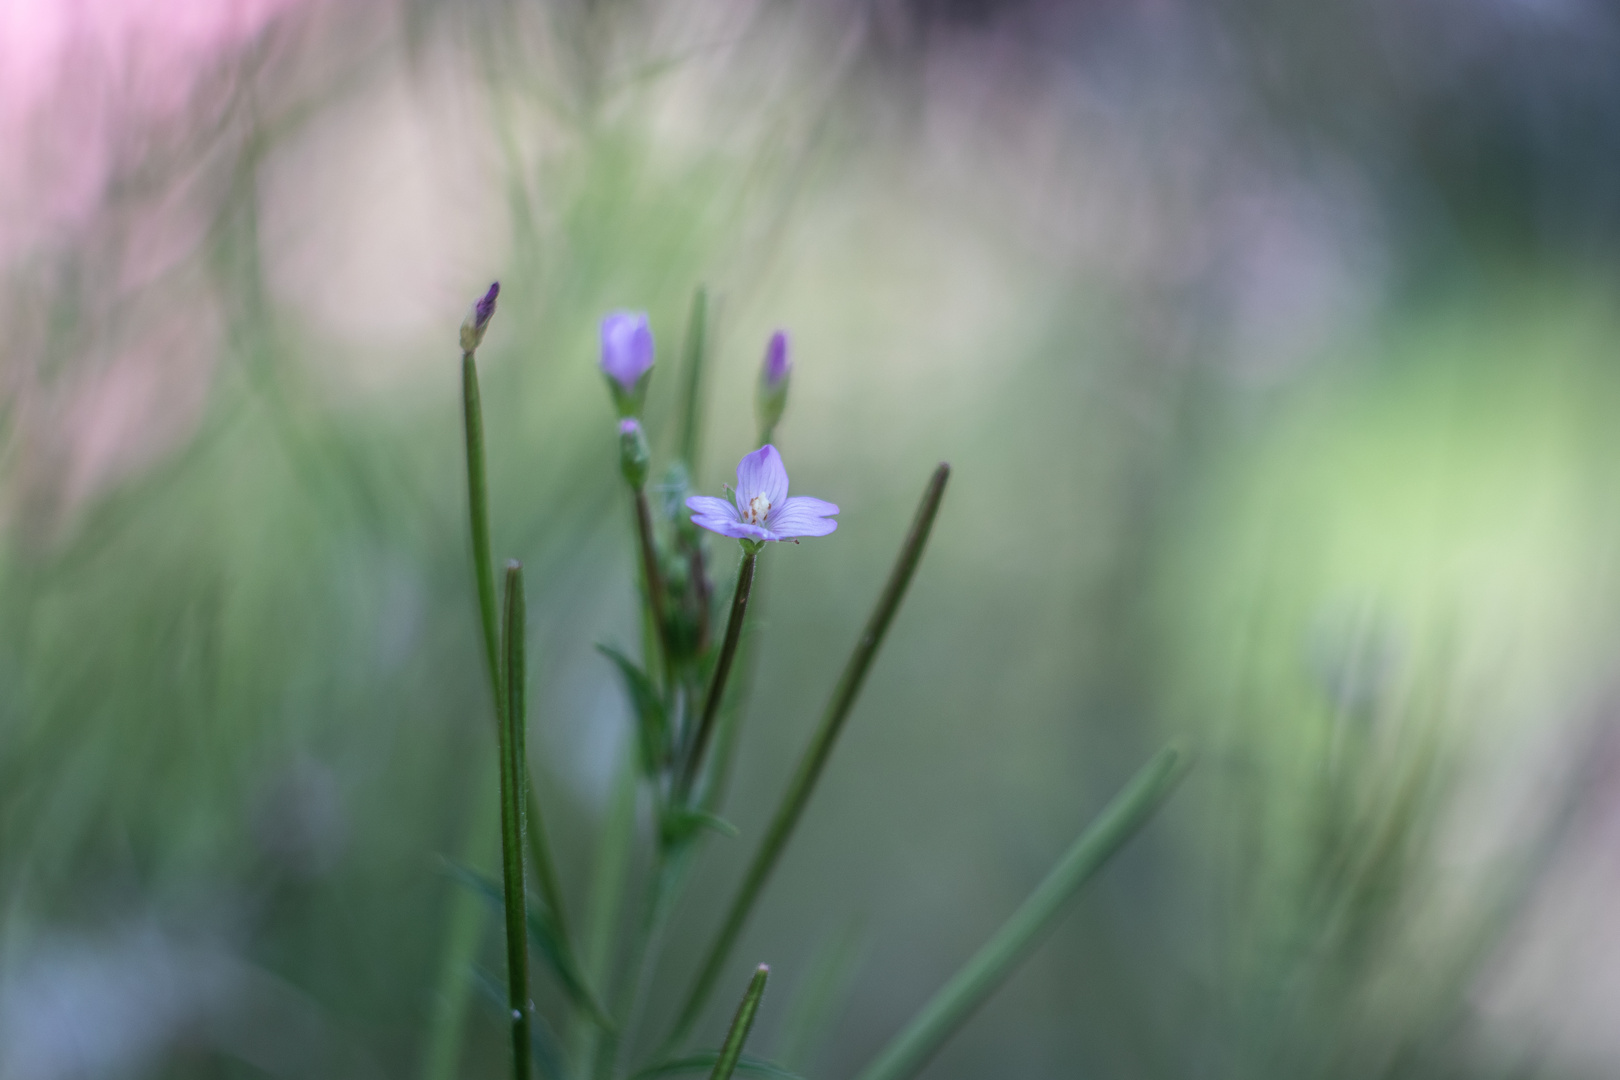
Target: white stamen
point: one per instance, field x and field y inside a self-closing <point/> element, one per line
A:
<point x="754" y="513"/>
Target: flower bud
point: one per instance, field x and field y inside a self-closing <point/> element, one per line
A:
<point x="634" y="453"/>
<point x="477" y="320"/>
<point x="627" y="356"/>
<point x="771" y="397"/>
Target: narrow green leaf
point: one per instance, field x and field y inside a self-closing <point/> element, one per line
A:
<point x="980" y="976"/>
<point x="803" y="784"/>
<point x="741" y="1024"/>
<point x="652" y="722"/>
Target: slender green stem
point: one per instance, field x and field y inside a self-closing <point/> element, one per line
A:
<point x="513" y="776"/>
<point x="693" y="362"/>
<point x="815" y="756"/>
<point x="717" y="682"/>
<point x="653" y="581"/>
<point x="478" y="514"/>
<point x="484" y="573"/>
<point x="732" y="1048"/>
<point x="995" y="960"/>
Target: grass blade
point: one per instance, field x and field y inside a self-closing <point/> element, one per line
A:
<point x="741" y="1024"/>
<point x="484" y="577"/>
<point x="513" y="777"/>
<point x="815" y="756"/>
<point x="977" y="980"/>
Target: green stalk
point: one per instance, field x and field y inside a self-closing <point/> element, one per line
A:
<point x="653" y="582"/>
<point x="732" y="1048"/>
<point x="478" y="514"/>
<point x="513" y="775"/>
<point x="484" y="574"/>
<point x="717" y="682"/>
<point x="815" y="757"/>
<point x="693" y="360"/>
<point x="979" y="977"/>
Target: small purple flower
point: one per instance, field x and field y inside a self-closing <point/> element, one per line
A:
<point x="477" y="321"/>
<point x="778" y="364"/>
<point x="627" y="347"/>
<point x="629" y="426"/>
<point x="760" y="508"/>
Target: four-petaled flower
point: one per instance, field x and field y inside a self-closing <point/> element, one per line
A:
<point x="627" y="347"/>
<point x="760" y="509"/>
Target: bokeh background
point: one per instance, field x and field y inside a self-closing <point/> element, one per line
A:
<point x="1274" y="349"/>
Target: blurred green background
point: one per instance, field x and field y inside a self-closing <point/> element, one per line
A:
<point x="1273" y="348"/>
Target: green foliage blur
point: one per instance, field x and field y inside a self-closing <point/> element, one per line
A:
<point x="1275" y="358"/>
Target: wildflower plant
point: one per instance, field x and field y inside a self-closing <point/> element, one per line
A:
<point x="687" y="693"/>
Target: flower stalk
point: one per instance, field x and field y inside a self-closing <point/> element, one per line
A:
<point x="722" y="671"/>
<point x="803" y="784"/>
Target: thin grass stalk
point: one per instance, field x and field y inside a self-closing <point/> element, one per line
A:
<point x="731" y="1050"/>
<point x="478" y="515"/>
<point x="717" y="682"/>
<point x="513" y="775"/>
<point x="940" y="1018"/>
<point x="484" y="574"/>
<point x="815" y="757"/>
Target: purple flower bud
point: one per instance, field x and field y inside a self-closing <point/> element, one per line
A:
<point x="629" y="426"/>
<point x="627" y="348"/>
<point x="477" y="320"/>
<point x="770" y="398"/>
<point x="777" y="362"/>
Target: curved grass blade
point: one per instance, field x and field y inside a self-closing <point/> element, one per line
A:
<point x="722" y="669"/>
<point x="815" y="756"/>
<point x="910" y="1050"/>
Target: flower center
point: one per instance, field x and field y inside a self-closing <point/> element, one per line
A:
<point x="754" y="513"/>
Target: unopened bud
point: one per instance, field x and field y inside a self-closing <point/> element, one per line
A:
<point x="774" y="374"/>
<point x="627" y="356"/>
<point x="634" y="453"/>
<point x="477" y="320"/>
